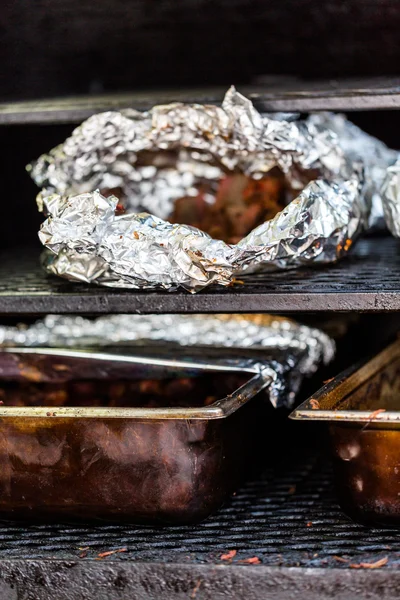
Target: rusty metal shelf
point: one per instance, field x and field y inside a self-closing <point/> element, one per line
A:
<point x="368" y="280"/>
<point x="276" y="94"/>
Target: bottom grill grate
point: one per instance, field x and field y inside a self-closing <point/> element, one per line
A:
<point x="288" y="517"/>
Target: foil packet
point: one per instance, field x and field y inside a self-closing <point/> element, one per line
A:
<point x="289" y="350"/>
<point x="157" y="158"/>
<point x="391" y="198"/>
<point x="366" y="150"/>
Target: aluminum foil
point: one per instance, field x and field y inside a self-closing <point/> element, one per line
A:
<point x="181" y="142"/>
<point x="391" y="198"/>
<point x="301" y="349"/>
<point x="367" y="151"/>
<point x="159" y="156"/>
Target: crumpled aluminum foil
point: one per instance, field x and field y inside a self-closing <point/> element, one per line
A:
<point x="366" y="150"/>
<point x="159" y="156"/>
<point x="301" y="349"/>
<point x="391" y="198"/>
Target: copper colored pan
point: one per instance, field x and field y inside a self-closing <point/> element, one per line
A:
<point x="171" y="463"/>
<point x="362" y="407"/>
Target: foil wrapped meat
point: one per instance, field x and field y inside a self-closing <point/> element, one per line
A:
<point x="290" y="351"/>
<point x="189" y="195"/>
<point x="364" y="150"/>
<point x="391" y="198"/>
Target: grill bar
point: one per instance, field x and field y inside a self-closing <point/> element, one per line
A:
<point x="369" y="280"/>
<point x="275" y="95"/>
<point x="288" y="518"/>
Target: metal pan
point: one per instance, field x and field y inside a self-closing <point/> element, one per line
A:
<point x="164" y="464"/>
<point x="362" y="407"/>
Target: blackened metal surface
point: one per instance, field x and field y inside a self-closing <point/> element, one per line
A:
<point x="288" y="518"/>
<point x="276" y="95"/>
<point x="70" y="580"/>
<point x="75" y="46"/>
<point x="369" y="280"/>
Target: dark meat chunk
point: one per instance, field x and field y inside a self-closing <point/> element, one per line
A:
<point x="241" y="204"/>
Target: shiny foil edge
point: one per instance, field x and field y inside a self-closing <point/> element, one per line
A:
<point x="391" y="198"/>
<point x="303" y="348"/>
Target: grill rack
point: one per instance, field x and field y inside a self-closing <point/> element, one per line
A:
<point x="368" y="280"/>
<point x="285" y="518"/>
<point x="288" y="518"/>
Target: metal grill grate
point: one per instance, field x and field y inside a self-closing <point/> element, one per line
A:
<point x="368" y="280"/>
<point x="286" y="518"/>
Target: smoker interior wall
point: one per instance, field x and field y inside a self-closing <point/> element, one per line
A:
<point x="53" y="47"/>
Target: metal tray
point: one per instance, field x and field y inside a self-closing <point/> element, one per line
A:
<point x="362" y="406"/>
<point x="168" y="464"/>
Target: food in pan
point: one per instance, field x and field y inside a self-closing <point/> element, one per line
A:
<point x="146" y="450"/>
<point x="361" y="406"/>
<point x="150" y="393"/>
